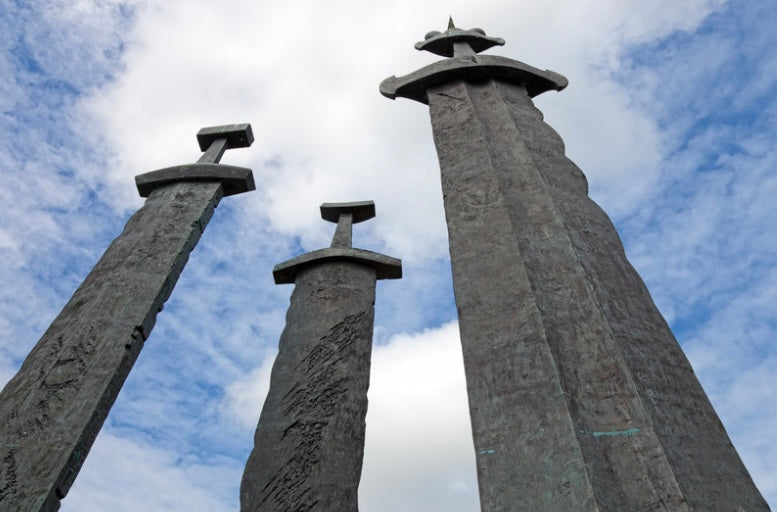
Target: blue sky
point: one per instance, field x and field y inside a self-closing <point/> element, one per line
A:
<point x="670" y="112"/>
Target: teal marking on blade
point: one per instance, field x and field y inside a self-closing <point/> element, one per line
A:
<point x="629" y="432"/>
<point x="486" y="452"/>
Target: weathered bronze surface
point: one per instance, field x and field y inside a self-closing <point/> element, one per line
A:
<point x="580" y="397"/>
<point x="309" y="442"/>
<point x="52" y="410"/>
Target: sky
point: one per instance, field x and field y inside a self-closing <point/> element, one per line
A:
<point x="670" y="112"/>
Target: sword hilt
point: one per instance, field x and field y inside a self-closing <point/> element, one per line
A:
<point x="345" y="215"/>
<point x="214" y="140"/>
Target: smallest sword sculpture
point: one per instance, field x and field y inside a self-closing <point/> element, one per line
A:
<point x="309" y="442"/>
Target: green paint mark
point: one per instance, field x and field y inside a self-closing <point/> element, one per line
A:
<point x="629" y="432"/>
<point x="487" y="452"/>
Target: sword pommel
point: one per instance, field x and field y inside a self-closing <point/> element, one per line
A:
<point x="237" y="135"/>
<point x="359" y="210"/>
<point x="456" y="42"/>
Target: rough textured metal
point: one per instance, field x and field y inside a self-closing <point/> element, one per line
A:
<point x="309" y="442"/>
<point x="580" y="397"/>
<point x="52" y="410"/>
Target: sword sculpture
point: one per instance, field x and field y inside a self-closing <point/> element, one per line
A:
<point x="52" y="410"/>
<point x="580" y="397"/>
<point x="309" y="442"/>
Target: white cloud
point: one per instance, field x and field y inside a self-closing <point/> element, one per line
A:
<point x="419" y="453"/>
<point x="306" y="74"/>
<point x="245" y="395"/>
<point x="127" y="475"/>
<point x="314" y="102"/>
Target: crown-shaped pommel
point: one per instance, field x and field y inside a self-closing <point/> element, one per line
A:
<point x="454" y="41"/>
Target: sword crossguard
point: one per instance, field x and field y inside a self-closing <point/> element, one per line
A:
<point x="345" y="215"/>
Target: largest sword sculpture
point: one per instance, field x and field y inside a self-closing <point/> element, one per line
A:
<point x="52" y="410"/>
<point x="580" y="397"/>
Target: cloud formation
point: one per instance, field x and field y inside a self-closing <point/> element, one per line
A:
<point x="670" y="113"/>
